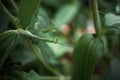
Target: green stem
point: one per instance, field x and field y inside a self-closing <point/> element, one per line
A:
<point x="13" y="19"/>
<point x="40" y="58"/>
<point x="23" y="33"/>
<point x="14" y="5"/>
<point x="96" y="18"/>
<point x="7" y="52"/>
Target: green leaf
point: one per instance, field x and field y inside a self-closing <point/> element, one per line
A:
<point x="22" y="53"/>
<point x="86" y="55"/>
<point x="34" y="75"/>
<point x="46" y="51"/>
<point x="65" y="14"/>
<point x="21" y="75"/>
<point x="111" y="19"/>
<point x="26" y="10"/>
<point x="60" y="50"/>
<point x="41" y="22"/>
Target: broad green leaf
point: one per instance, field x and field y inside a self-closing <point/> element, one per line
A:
<point x="60" y="50"/>
<point x="79" y="56"/>
<point x="22" y="53"/>
<point x="21" y="75"/>
<point x="46" y="51"/>
<point x="34" y="75"/>
<point x="41" y="22"/>
<point x="26" y="10"/>
<point x="112" y="19"/>
<point x="65" y="14"/>
<point x="86" y="55"/>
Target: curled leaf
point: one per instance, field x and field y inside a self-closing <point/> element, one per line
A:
<point x="86" y="54"/>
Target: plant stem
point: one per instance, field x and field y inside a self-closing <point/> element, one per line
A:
<point x="40" y="58"/>
<point x="96" y="18"/>
<point x="14" y="5"/>
<point x="13" y="19"/>
<point x="25" y="34"/>
<point x="7" y="52"/>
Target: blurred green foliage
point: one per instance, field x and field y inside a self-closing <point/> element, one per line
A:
<point x="26" y="58"/>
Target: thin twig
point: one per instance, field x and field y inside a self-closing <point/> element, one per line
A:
<point x="12" y="18"/>
<point x="24" y="33"/>
<point x="7" y="52"/>
<point x="38" y="53"/>
<point x="14" y="5"/>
